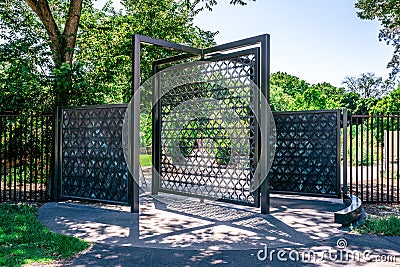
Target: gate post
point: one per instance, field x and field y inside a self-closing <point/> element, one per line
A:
<point x="56" y="156"/>
<point x="265" y="119"/>
<point x="156" y="134"/>
<point x="345" y="189"/>
<point x="134" y="128"/>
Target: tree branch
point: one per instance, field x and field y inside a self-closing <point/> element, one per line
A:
<point x="42" y="9"/>
<point x="71" y="28"/>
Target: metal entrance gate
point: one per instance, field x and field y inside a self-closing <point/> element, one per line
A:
<point x="201" y="122"/>
<point x="204" y="141"/>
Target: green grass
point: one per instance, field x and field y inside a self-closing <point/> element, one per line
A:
<point x="389" y="226"/>
<point x="23" y="239"/>
<point x="145" y="160"/>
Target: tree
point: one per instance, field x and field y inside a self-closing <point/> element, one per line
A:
<point x="314" y="99"/>
<point x="388" y="104"/>
<point x="58" y="34"/>
<point x="61" y="42"/>
<point x="365" y="105"/>
<point x="349" y="101"/>
<point x="368" y="85"/>
<point x="22" y="87"/>
<point x="290" y="93"/>
<point x="387" y="12"/>
<point x="92" y="65"/>
<point x="279" y="100"/>
<point x="210" y="3"/>
<point x="290" y="84"/>
<point x="24" y="61"/>
<point x="104" y="43"/>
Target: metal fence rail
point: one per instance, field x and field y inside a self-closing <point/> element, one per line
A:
<point x="26" y="156"/>
<point x="374" y="158"/>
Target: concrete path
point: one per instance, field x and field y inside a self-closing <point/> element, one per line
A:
<point x="174" y="231"/>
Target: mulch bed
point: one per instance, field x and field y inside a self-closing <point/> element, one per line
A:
<point x="382" y="209"/>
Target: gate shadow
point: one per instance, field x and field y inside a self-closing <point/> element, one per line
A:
<point x="186" y="224"/>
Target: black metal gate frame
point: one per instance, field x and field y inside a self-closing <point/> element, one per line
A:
<point x="188" y="52"/>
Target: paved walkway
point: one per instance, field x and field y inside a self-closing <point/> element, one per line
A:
<point x="174" y="231"/>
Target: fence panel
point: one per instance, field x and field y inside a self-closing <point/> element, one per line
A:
<point x="307" y="157"/>
<point x="374" y="158"/>
<point x="91" y="163"/>
<point x="26" y="157"/>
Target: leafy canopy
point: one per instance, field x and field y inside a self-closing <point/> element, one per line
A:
<point x="101" y="69"/>
<point x="387" y="12"/>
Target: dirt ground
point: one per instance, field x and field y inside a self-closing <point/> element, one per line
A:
<point x="382" y="209"/>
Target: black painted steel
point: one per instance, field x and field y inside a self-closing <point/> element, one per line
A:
<point x="209" y="175"/>
<point x="91" y="163"/>
<point x="374" y="158"/>
<point x="26" y="157"/>
<point x="307" y="156"/>
<point x="260" y="75"/>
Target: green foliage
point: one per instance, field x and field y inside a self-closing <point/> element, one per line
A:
<point x="196" y="130"/>
<point x="388" y="226"/>
<point x="290" y="84"/>
<point x="387" y="12"/>
<point x="104" y="42"/>
<point x="22" y="87"/>
<point x="145" y="129"/>
<point x="349" y="101"/>
<point x="365" y="105"/>
<point x="388" y="104"/>
<point x="101" y="71"/>
<point x="314" y="99"/>
<point x="145" y="160"/>
<point x="208" y="4"/>
<point x="279" y="100"/>
<point x="359" y="134"/>
<point x="289" y="93"/>
<point x="334" y="93"/>
<point x="23" y="239"/>
<point x="24" y="60"/>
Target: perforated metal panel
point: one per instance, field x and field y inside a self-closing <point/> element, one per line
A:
<point x="92" y="160"/>
<point x="307" y="156"/>
<point x="218" y="143"/>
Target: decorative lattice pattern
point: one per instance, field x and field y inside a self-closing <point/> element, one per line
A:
<point x="207" y="132"/>
<point x="93" y="164"/>
<point x="307" y="157"/>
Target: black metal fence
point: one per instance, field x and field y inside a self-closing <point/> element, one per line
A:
<point x="374" y="151"/>
<point x="90" y="163"/>
<point x="307" y="156"/>
<point x="26" y="156"/>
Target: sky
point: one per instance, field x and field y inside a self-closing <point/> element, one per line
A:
<point x="315" y="40"/>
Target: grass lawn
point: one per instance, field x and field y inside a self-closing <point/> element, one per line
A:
<point x="389" y="226"/>
<point x="145" y="160"/>
<point x="23" y="239"/>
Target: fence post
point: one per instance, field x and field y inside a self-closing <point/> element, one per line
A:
<point x="265" y="87"/>
<point x="345" y="189"/>
<point x="134" y="127"/>
<point x="56" y="155"/>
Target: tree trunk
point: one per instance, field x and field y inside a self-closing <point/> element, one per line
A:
<point x="62" y="44"/>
